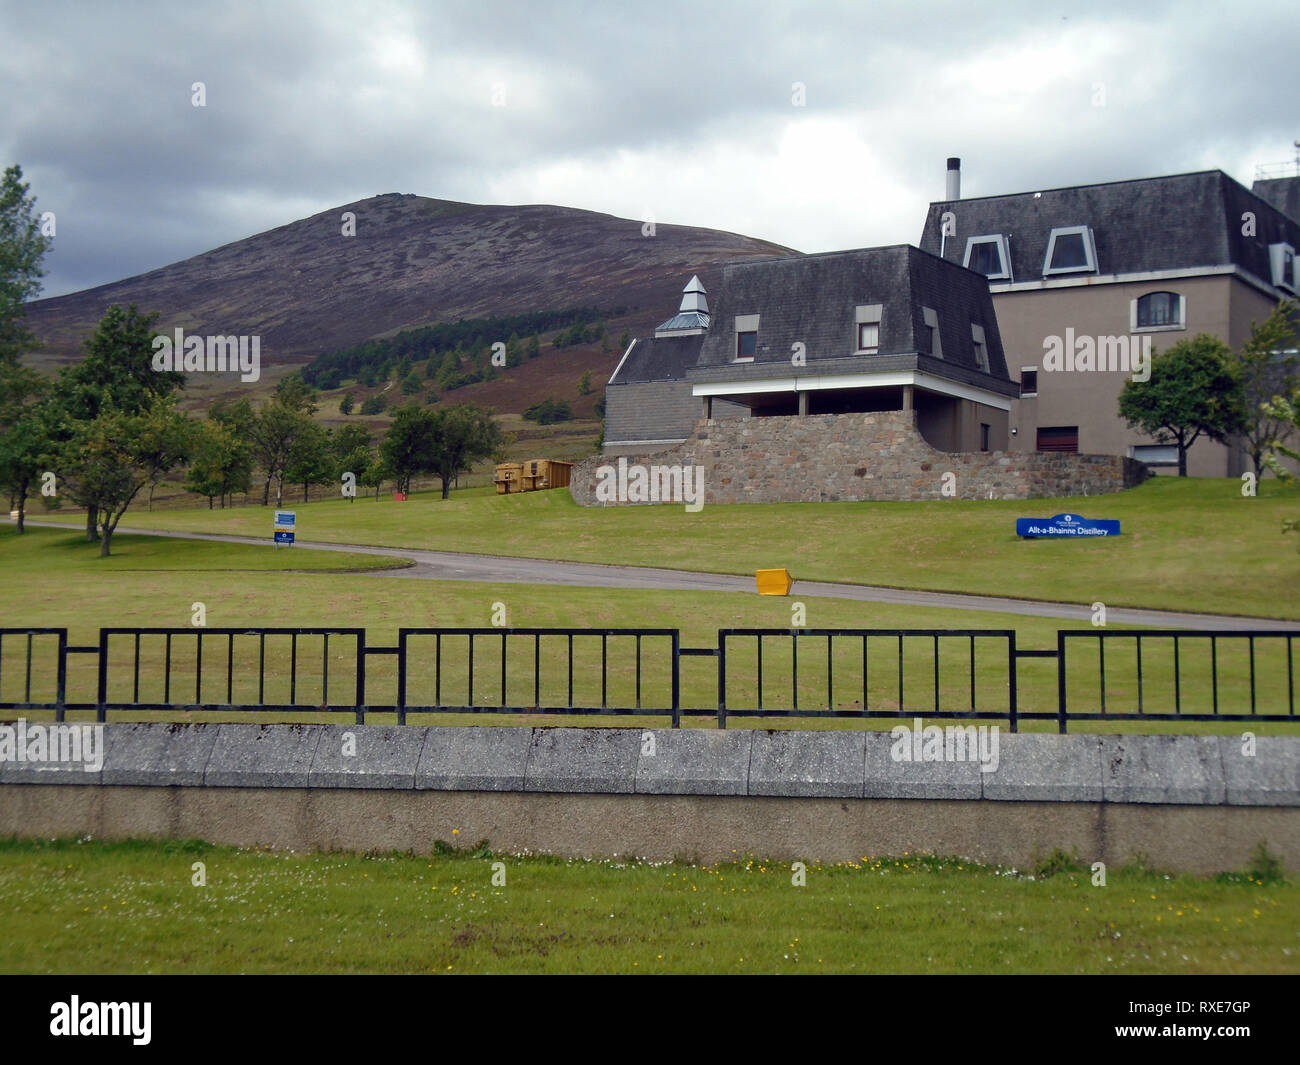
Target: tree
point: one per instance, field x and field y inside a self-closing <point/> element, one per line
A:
<point x="375" y="476"/>
<point x="624" y="340"/>
<point x="549" y="411"/>
<point x="411" y="384"/>
<point x="351" y="453"/>
<point x="294" y="394"/>
<point x="584" y="383"/>
<point x="375" y="404"/>
<point x="1192" y="392"/>
<point x="25" y="431"/>
<point x="117" y="374"/>
<point x="22" y="248"/>
<point x="274" y="431"/>
<point x="533" y="347"/>
<point x="1286" y="409"/>
<point x="464" y="435"/>
<point x="1266" y="366"/>
<point x="409" y="448"/>
<point x="345" y="404"/>
<point x="310" y="459"/>
<point x="109" y="459"/>
<point x="222" y="463"/>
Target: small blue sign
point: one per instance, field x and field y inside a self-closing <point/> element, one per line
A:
<point x="1066" y="525"/>
<point x="283" y="537"/>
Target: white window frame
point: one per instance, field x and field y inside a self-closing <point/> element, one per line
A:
<point x="1023" y="393"/>
<point x="1277" y="254"/>
<point x="1089" y="251"/>
<point x="866" y="314"/>
<point x="1180" y="326"/>
<point x="931" y="318"/>
<point x="1004" y="250"/>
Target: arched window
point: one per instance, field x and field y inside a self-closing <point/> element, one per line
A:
<point x="1159" y="309"/>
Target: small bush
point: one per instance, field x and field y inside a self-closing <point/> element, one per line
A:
<point x="549" y="411"/>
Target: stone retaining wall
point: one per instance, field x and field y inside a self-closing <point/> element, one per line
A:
<point x="1188" y="802"/>
<point x="882" y="456"/>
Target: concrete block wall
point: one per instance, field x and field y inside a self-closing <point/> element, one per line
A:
<point x="840" y="457"/>
<point x="1189" y="802"/>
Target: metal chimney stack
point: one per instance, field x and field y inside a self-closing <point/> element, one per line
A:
<point x="954" y="179"/>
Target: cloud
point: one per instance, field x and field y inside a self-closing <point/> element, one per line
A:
<point x="682" y="110"/>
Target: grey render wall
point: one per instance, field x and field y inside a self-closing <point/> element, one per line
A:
<point x="655" y="411"/>
<point x="1188" y="802"/>
<point x="838" y="457"/>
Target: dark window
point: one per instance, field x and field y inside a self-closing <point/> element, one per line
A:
<point x="746" y="345"/>
<point x="1059" y="438"/>
<point x="981" y="360"/>
<point x="1158" y="308"/>
<point x="1029" y="382"/>
<point x="929" y="338"/>
<point x="986" y="258"/>
<point x="1069" y="252"/>
<point x="984" y="437"/>
<point x="869" y="337"/>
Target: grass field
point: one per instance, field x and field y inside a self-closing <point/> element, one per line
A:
<point x="89" y="906"/>
<point x="156" y="582"/>
<point x="1188" y="544"/>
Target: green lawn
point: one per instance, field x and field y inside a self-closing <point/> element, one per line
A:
<point x="1192" y="544"/>
<point x="155" y="582"/>
<point x="94" y="907"/>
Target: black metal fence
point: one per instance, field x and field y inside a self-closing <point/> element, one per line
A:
<point x="1151" y="675"/>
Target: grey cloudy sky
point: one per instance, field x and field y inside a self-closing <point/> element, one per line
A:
<point x="683" y="112"/>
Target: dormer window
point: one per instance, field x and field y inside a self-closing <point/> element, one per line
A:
<point x="931" y="332"/>
<point x="990" y="256"/>
<point x="746" y="328"/>
<point x="1070" y="250"/>
<point x="1281" y="258"/>
<point x="980" y="346"/>
<point x="867" y="320"/>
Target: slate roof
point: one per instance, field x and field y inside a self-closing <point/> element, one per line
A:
<point x="812" y="299"/>
<point x="1182" y="221"/>
<point x="684" y="320"/>
<point x="658" y="359"/>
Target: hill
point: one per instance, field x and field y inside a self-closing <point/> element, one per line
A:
<point x="306" y="289"/>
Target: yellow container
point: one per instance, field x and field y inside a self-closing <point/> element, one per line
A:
<point x="546" y="473"/>
<point x="509" y="478"/>
<point x="773" y="581"/>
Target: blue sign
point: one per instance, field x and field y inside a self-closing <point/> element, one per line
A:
<point x="285" y="519"/>
<point x="283" y="537"/>
<point x="1066" y="525"/>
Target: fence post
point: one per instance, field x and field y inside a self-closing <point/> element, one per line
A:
<point x="1011" y="666"/>
<point x="1060" y="682"/>
<point x="677" y="666"/>
<point x="61" y="695"/>
<point x="722" y="680"/>
<point x="101" y="695"/>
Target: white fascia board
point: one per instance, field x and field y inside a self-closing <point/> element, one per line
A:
<point x="621" y="361"/>
<point x="996" y="288"/>
<point x="893" y="379"/>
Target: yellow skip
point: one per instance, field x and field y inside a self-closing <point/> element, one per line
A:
<point x="773" y="581"/>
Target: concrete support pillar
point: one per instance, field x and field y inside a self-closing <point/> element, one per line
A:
<point x="708" y="407"/>
<point x="803" y="404"/>
<point x="907" y="397"/>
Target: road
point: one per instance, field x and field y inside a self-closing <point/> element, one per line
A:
<point x="455" y="566"/>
